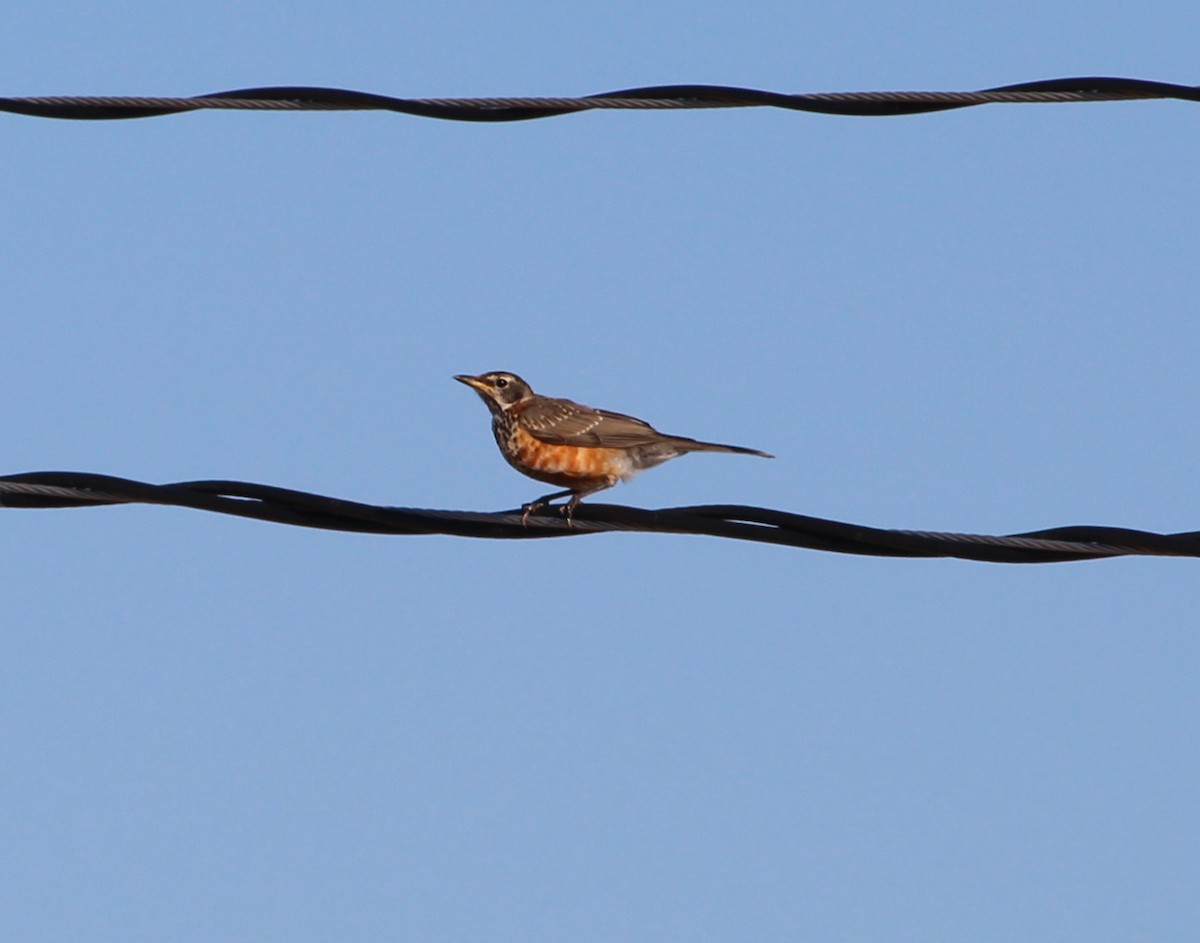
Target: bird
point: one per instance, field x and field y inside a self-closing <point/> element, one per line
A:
<point x="579" y="448"/>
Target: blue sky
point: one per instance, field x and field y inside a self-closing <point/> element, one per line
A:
<point x="982" y="320"/>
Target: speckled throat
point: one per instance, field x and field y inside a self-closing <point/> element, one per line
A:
<point x="504" y="428"/>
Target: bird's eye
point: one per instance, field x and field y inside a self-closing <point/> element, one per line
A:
<point x="501" y="382"/>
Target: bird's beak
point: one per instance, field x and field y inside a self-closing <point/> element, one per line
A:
<point x="473" y="382"/>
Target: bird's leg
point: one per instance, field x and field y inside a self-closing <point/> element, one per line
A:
<point x="569" y="513"/>
<point x="577" y="496"/>
<point x="527" y="509"/>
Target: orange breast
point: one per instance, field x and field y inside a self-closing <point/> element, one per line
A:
<point x="564" y="465"/>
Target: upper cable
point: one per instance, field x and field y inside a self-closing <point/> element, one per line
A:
<point x="860" y="104"/>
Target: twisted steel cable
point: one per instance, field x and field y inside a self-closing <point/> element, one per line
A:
<point x="738" y="522"/>
<point x="861" y="104"/>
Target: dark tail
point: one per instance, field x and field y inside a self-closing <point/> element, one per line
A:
<point x="692" y="445"/>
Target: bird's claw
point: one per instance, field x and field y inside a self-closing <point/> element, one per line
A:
<point x="568" y="512"/>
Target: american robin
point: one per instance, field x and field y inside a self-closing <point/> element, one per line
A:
<point x="580" y="448"/>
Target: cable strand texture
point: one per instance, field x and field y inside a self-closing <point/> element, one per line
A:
<point x="657" y="97"/>
<point x="737" y="522"/>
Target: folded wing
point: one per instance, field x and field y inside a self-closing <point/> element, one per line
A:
<point x="562" y="422"/>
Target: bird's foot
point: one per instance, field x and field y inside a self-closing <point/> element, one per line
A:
<point x="527" y="509"/>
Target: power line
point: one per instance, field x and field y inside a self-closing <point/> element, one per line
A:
<point x="278" y="505"/>
<point x="737" y="522"/>
<point x="656" y="97"/>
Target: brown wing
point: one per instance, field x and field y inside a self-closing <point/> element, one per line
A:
<point x="561" y="422"/>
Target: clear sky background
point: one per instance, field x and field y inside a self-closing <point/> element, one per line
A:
<point x="986" y="320"/>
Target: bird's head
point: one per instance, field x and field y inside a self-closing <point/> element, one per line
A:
<point x="498" y="389"/>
